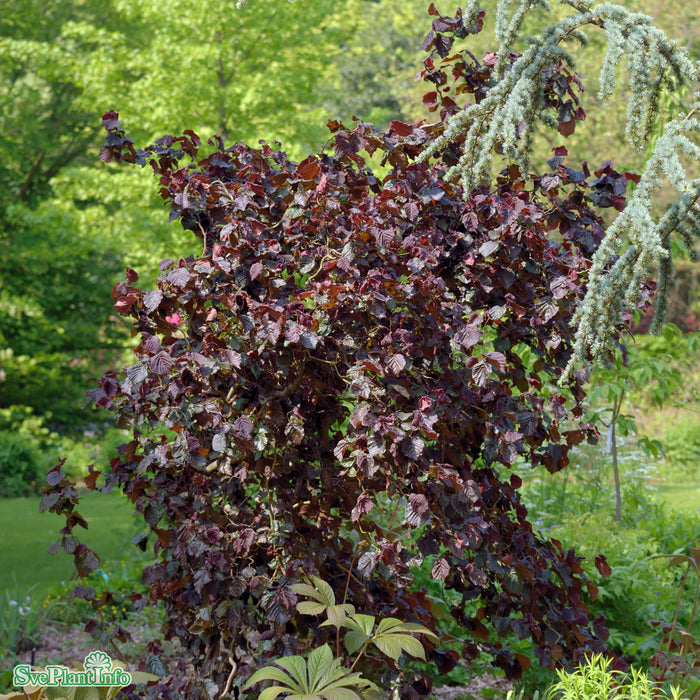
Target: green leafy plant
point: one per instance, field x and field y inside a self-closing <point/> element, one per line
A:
<point x="21" y="618"/>
<point x="681" y="442"/>
<point x="597" y="680"/>
<point x="654" y="369"/>
<point x="22" y="465"/>
<point x="322" y="674"/>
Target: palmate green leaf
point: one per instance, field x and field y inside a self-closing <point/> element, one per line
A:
<point x="405" y="642"/>
<point x="347" y="679"/>
<point x="320" y="676"/>
<point x="387" y="624"/>
<point x="90" y="693"/>
<point x="354" y="640"/>
<point x="325" y="591"/>
<point x="338" y="675"/>
<point x="319" y="663"/>
<point x="305" y="589"/>
<point x="296" y="667"/>
<point x="271" y="673"/>
<point x="323" y="594"/>
<point x="389" y="645"/>
<point x="361" y="623"/>
<point x="320" y="591"/>
<point x="391" y="623"/>
<point x="308" y="607"/>
<point x="341" y="694"/>
<point x="273" y="691"/>
<point x="142" y="677"/>
<point x="338" y="613"/>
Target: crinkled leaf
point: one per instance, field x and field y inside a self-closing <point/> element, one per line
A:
<point x="440" y="569"/>
<point x="161" y="363"/>
<point x="489" y="248"/>
<point x="137" y="373"/>
<point x="219" y="442"/>
<point x="480" y="372"/>
<point x="179" y="277"/>
<point x="152" y="299"/>
<point x="468" y="335"/>
<point x="395" y="363"/>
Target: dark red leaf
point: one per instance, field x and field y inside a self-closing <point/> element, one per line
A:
<point x="440" y="569"/>
<point x="308" y="169"/>
<point x="602" y="565"/>
<point x="161" y="363"/>
<point x="244" y="541"/>
<point x="566" y="128"/>
<point x="480" y="372"/>
<point x="468" y="335"/>
<point x="362" y="506"/>
<point x="54" y="477"/>
<point x="396" y="363"/>
<point x="123" y="304"/>
<point x="110" y="120"/>
<point x="497" y="360"/>
<point x="489" y="248"/>
<point x="243" y="429"/>
<point x="152" y="299"/>
<point x="255" y="270"/>
<point x="430" y="100"/>
<point x="179" y="277"/>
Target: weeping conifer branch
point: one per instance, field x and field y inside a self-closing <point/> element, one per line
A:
<point x="505" y="120"/>
<point x="639" y="245"/>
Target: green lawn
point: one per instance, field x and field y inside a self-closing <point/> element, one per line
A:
<point x="681" y="496"/>
<point x="26" y="534"/>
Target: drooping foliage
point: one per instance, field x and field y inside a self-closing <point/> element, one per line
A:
<point x="504" y="121"/>
<point x="343" y="380"/>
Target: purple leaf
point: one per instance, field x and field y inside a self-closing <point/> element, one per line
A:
<point x="152" y="299"/>
<point x="440" y="569"/>
<point x="395" y="363"/>
<point x="161" y="363"/>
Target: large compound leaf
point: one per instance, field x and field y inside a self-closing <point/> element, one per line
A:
<point x="319" y="663"/>
<point x="323" y="594"/>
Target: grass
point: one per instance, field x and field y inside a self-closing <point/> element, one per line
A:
<point x="683" y="497"/>
<point x="26" y="535"/>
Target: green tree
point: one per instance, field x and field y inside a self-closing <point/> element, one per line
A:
<point x="68" y="224"/>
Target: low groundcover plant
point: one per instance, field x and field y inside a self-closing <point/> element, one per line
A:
<point x="322" y="675"/>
